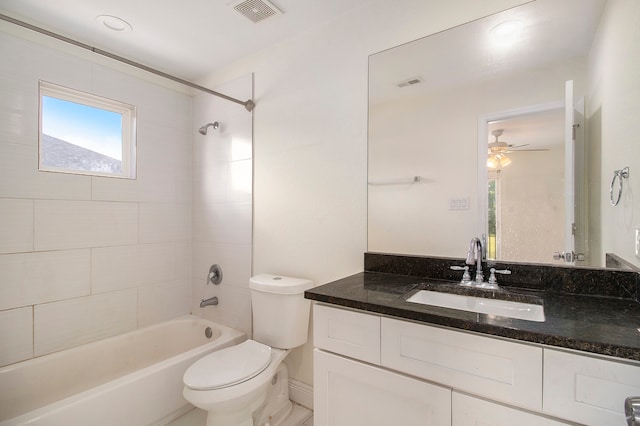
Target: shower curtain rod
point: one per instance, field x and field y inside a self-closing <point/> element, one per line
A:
<point x="249" y="105"/>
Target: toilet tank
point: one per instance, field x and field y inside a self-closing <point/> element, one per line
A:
<point x="280" y="311"/>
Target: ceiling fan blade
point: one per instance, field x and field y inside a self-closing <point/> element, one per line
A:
<point x="512" y="146"/>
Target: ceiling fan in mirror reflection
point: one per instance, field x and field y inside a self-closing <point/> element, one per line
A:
<point x="498" y="150"/>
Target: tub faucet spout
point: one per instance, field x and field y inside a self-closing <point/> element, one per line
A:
<point x="475" y="255"/>
<point x="208" y="302"/>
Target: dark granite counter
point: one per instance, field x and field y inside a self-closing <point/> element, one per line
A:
<point x="591" y="323"/>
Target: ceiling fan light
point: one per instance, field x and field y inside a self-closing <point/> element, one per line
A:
<point x="492" y="162"/>
<point x="503" y="160"/>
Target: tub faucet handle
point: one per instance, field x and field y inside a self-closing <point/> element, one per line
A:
<point x="215" y="274"/>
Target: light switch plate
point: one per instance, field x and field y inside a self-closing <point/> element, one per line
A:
<point x="637" y="240"/>
<point x="459" y="203"/>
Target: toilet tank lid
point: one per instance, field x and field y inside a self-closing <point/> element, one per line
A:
<point x="279" y="284"/>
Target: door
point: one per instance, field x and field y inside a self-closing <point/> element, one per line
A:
<point x="569" y="167"/>
<point x="574" y="222"/>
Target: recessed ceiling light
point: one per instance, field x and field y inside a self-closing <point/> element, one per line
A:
<point x="114" y="23"/>
<point x="506" y="32"/>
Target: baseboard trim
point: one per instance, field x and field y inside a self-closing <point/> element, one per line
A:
<point x="301" y="393"/>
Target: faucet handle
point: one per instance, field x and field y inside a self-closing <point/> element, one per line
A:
<point x="494" y="271"/>
<point x="466" y="278"/>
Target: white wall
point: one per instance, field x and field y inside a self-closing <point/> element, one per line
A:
<point x="613" y="111"/>
<point x="310" y="136"/>
<point x="82" y="258"/>
<point x="222" y="204"/>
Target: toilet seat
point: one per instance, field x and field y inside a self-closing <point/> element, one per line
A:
<point x="228" y="366"/>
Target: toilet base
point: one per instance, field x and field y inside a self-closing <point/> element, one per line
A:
<point x="277" y="405"/>
<point x="236" y="419"/>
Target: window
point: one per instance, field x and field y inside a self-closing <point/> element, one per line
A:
<point x="85" y="134"/>
<point x="493" y="237"/>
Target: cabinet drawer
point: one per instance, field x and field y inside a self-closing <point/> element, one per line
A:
<point x="492" y="368"/>
<point x="467" y="410"/>
<point x="354" y="334"/>
<point x="588" y="390"/>
<point x="351" y="393"/>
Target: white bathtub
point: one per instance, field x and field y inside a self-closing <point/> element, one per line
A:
<point x="132" y="379"/>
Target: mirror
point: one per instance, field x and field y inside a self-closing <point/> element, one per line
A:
<point x="442" y="106"/>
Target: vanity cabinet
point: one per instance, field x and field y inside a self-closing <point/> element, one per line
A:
<point x="494" y="368"/>
<point x="372" y="370"/>
<point x="469" y="410"/>
<point x="588" y="390"/>
<point x="352" y="393"/>
<point x="349" y="333"/>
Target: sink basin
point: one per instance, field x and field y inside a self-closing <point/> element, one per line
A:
<point x="503" y="308"/>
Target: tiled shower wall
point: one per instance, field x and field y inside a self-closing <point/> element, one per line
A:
<point x="83" y="258"/>
<point x="222" y="204"/>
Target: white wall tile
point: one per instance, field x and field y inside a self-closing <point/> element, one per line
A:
<point x="72" y="322"/>
<point x="63" y="216"/>
<point x="76" y="224"/>
<point x="16" y="226"/>
<point x="18" y="111"/>
<point x="233" y="308"/>
<point x="155" y="103"/>
<point x="32" y="278"/>
<point x="183" y="261"/>
<point x="109" y="189"/>
<point x="223" y="223"/>
<point x="210" y="185"/>
<point x="20" y="177"/>
<point x="29" y="61"/>
<point x="163" y="168"/>
<point x="115" y="268"/>
<point x="184" y="187"/>
<point x="161" y="302"/>
<point x="234" y="259"/>
<point x="164" y="222"/>
<point x="16" y="335"/>
<point x="222" y="207"/>
<point x="239" y="181"/>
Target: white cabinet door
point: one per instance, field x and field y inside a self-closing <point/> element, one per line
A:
<point x="588" y="390"/>
<point x="351" y="393"/>
<point x="493" y="368"/>
<point x="467" y="410"/>
<point x="354" y="334"/>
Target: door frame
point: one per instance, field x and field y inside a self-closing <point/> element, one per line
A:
<point x="483" y="146"/>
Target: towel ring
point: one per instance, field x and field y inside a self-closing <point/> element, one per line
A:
<point x="618" y="175"/>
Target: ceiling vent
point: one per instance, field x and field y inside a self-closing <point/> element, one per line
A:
<point x="256" y="10"/>
<point x="410" y="82"/>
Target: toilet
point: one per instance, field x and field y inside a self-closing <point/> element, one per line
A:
<point x="232" y="384"/>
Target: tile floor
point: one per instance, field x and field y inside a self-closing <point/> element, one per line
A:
<point x="300" y="416"/>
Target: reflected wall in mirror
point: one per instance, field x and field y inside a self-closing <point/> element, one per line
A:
<point x="434" y="103"/>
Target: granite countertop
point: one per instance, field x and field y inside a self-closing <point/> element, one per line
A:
<point x="602" y="325"/>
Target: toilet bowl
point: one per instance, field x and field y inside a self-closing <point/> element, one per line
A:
<point x="231" y="384"/>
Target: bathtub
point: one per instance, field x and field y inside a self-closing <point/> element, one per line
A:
<point x="131" y="379"/>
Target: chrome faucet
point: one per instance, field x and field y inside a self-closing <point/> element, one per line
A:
<point x="208" y="302"/>
<point x="475" y="254"/>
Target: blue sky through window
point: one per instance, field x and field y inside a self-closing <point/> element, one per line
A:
<point x="92" y="128"/>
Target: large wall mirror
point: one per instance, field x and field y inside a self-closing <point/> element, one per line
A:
<point x="510" y="126"/>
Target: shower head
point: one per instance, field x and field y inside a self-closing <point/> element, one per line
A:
<point x="203" y="130"/>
